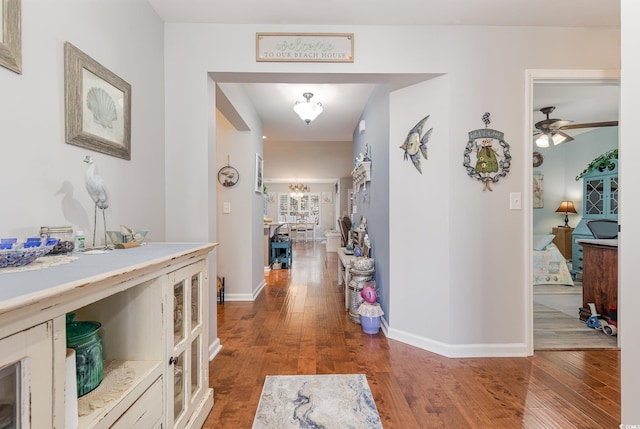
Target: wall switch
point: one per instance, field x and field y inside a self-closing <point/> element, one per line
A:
<point x="355" y="209"/>
<point x="515" y="201"/>
<point x="226" y="207"/>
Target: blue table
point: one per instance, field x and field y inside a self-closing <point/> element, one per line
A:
<point x="281" y="252"/>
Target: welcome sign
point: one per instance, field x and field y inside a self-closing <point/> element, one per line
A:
<point x="305" y="47"/>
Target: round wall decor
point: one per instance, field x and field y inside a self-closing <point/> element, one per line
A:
<point x="537" y="159"/>
<point x="228" y="176"/>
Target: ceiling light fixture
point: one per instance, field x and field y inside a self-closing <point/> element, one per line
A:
<point x="308" y="111"/>
<point x="548" y="139"/>
<point x="298" y="190"/>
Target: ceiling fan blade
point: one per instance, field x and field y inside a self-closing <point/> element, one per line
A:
<point x="558" y="124"/>
<point x="590" y="125"/>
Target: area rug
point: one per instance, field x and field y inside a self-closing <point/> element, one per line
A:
<point x="317" y="401"/>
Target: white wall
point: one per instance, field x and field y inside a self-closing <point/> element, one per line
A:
<point x="309" y="159"/>
<point x="240" y="233"/>
<point x="485" y="69"/>
<point x="44" y="176"/>
<point x="629" y="293"/>
<point x="419" y="220"/>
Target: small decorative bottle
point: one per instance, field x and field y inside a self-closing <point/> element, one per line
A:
<point x="79" y="241"/>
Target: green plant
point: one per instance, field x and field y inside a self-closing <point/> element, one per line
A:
<point x="600" y="163"/>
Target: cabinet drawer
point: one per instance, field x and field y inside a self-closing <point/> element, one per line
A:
<point x="146" y="412"/>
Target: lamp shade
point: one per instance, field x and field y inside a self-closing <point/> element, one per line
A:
<point x="308" y="111"/>
<point x="566" y="207"/>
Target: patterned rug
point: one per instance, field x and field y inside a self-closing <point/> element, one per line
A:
<point x="317" y="401"/>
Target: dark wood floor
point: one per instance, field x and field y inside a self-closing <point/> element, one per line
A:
<point x="298" y="326"/>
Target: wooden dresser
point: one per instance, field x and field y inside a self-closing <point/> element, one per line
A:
<point x="600" y="274"/>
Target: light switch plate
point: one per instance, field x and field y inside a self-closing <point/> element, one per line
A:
<point x="226" y="207"/>
<point x="515" y="201"/>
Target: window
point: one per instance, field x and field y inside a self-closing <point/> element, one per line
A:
<point x="301" y="208"/>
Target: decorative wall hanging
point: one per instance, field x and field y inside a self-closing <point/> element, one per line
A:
<point x="11" y="35"/>
<point x="97" y="105"/>
<point x="259" y="174"/>
<point x="228" y="176"/>
<point x="416" y="143"/>
<point x="538" y="191"/>
<point x="537" y="159"/>
<point x="487" y="156"/>
<point x="305" y="47"/>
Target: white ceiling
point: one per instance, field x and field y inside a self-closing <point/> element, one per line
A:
<point x="274" y="95"/>
<point x="549" y="13"/>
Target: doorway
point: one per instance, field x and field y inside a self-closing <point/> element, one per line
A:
<point x="579" y="96"/>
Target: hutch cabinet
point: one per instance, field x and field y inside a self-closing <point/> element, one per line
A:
<point x="151" y="302"/>
<point x="600" y="201"/>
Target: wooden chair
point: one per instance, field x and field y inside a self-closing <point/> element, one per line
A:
<point x="312" y="222"/>
<point x="301" y="230"/>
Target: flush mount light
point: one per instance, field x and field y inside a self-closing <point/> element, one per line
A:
<point x="306" y="110"/>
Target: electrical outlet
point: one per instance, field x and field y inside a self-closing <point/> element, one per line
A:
<point x="515" y="201"/>
<point x="226" y="207"/>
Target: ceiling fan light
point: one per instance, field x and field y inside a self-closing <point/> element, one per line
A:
<point x="543" y="140"/>
<point x="308" y="111"/>
<point x="558" y="139"/>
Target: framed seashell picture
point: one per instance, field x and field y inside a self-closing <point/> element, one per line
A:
<point x="97" y="105"/>
<point x="10" y="35"/>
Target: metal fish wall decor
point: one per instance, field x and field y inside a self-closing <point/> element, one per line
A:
<point x="416" y="143"/>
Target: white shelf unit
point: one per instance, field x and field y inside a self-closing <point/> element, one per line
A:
<point x="361" y="175"/>
<point x="130" y="292"/>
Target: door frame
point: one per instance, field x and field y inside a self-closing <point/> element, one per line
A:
<point x="532" y="77"/>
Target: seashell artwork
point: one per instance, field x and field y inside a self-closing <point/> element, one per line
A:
<point x="100" y="103"/>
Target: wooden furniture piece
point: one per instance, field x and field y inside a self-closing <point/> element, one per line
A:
<point x="563" y="240"/>
<point x="152" y="302"/>
<point x="344" y="265"/>
<point x="600" y="201"/>
<point x="600" y="274"/>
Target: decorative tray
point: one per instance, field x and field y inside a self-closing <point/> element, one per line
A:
<point x="14" y="254"/>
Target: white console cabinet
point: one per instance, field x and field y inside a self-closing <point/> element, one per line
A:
<point x="151" y="302"/>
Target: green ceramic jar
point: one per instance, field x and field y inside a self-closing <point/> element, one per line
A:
<point x="84" y="339"/>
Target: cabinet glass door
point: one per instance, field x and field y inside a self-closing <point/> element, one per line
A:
<point x="178" y="387"/>
<point x="9" y="394"/>
<point x="186" y="354"/>
<point x="613" y="196"/>
<point x="594" y="197"/>
<point x="178" y="312"/>
<point x="26" y="380"/>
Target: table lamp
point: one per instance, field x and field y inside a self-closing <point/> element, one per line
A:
<point x="567" y="208"/>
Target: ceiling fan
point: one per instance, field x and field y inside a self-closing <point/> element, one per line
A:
<point x="549" y="131"/>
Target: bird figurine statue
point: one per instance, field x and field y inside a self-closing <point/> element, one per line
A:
<point x="98" y="192"/>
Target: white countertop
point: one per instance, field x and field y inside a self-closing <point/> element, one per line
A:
<point x="18" y="286"/>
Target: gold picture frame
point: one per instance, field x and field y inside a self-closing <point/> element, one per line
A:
<point x="11" y="35"/>
<point x="97" y="105"/>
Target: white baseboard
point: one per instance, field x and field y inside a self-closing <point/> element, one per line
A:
<point x="458" y="350"/>
<point x="214" y="349"/>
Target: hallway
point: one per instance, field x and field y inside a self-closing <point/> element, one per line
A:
<point x="298" y="326"/>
